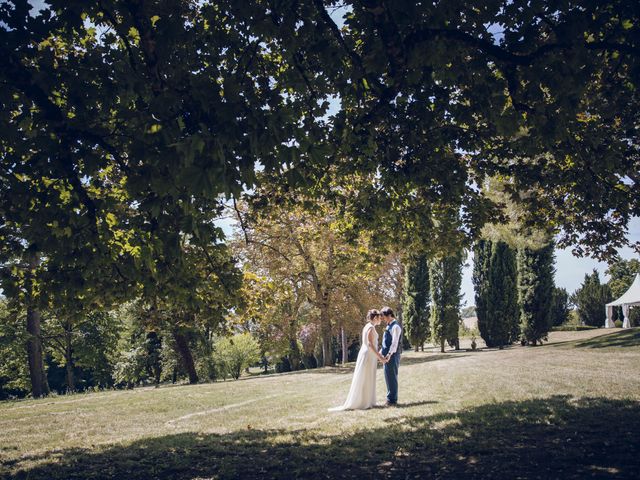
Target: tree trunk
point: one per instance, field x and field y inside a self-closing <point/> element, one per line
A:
<point x="442" y="345"/>
<point x="417" y="347"/>
<point x="345" y="351"/>
<point x="39" y="384"/>
<point x="294" y="354"/>
<point x="157" y="371"/>
<point x="327" y="354"/>
<point x="185" y="354"/>
<point x="68" y="360"/>
<point x="71" y="385"/>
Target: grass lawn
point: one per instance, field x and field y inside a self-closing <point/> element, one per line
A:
<point x="568" y="409"/>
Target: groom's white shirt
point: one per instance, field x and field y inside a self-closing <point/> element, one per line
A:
<point x="395" y="338"/>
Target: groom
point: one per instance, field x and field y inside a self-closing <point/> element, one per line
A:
<point x="389" y="350"/>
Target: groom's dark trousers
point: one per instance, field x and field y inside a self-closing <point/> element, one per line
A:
<point x="391" y="377"/>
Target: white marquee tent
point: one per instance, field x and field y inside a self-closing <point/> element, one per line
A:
<point x="630" y="298"/>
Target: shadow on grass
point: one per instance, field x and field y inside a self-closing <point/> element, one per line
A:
<point x="626" y="338"/>
<point x="412" y="404"/>
<point x="606" y="339"/>
<point x="558" y="437"/>
<point x="431" y="357"/>
<point x="404" y="361"/>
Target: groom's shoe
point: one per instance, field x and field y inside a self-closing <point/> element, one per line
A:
<point x="389" y="404"/>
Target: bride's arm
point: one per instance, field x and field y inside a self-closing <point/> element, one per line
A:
<point x="372" y="348"/>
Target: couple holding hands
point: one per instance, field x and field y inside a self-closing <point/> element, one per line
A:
<point x="362" y="393"/>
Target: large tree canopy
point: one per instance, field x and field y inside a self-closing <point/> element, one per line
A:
<point x="436" y="96"/>
<point x="123" y="123"/>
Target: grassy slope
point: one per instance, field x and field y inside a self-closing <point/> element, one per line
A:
<point x="569" y="409"/>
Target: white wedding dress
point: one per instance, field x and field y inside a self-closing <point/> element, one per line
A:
<point x="362" y="393"/>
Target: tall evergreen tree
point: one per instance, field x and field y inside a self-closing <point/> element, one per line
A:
<point x="445" y="275"/>
<point x="495" y="281"/>
<point x="503" y="293"/>
<point x="480" y="279"/>
<point x="535" y="290"/>
<point x="415" y="305"/>
<point x="559" y="306"/>
<point x="590" y="300"/>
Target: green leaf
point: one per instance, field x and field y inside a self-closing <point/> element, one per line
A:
<point x="111" y="219"/>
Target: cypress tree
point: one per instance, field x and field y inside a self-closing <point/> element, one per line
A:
<point x="415" y="304"/>
<point x="445" y="275"/>
<point x="559" y="306"/>
<point x="535" y="290"/>
<point x="495" y="282"/>
<point x="503" y="297"/>
<point x="480" y="279"/>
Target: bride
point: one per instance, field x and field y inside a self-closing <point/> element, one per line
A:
<point x="362" y="393"/>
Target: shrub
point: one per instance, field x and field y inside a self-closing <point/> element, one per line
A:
<point x="567" y="327"/>
<point x="234" y="354"/>
<point x="618" y="324"/>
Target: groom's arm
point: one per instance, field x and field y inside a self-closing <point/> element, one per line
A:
<point x="395" y="339"/>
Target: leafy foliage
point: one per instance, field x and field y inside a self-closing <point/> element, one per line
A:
<point x="85" y="345"/>
<point x="138" y="358"/>
<point x="434" y="102"/>
<point x="302" y="258"/>
<point x="621" y="275"/>
<point x="129" y="370"/>
<point x="14" y="374"/>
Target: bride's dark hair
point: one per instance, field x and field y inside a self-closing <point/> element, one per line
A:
<point x="371" y="314"/>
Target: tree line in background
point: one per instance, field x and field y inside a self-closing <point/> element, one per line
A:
<point x="290" y="293"/>
<point x="516" y="299"/>
<point x="288" y="264"/>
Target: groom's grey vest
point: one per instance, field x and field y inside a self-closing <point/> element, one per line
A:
<point x="387" y="339"/>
